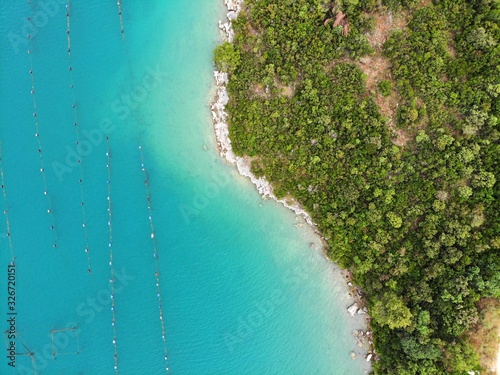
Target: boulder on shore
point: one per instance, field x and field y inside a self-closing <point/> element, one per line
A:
<point x="353" y="309"/>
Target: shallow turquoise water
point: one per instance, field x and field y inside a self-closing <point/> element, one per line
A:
<point x="244" y="289"/>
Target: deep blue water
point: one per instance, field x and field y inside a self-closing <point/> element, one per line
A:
<point x="244" y="289"/>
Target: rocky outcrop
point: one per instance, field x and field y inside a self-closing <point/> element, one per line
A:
<point x="234" y="8"/>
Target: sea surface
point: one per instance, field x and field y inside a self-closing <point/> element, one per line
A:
<point x="243" y="285"/>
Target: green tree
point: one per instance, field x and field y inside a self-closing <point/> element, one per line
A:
<point x="385" y="87"/>
<point x="464" y="192"/>
<point x="226" y="57"/>
<point x="484" y="180"/>
<point x="418" y="352"/>
<point x="394" y="219"/>
<point x="390" y="310"/>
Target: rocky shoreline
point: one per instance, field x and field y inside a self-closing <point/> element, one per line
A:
<point x="219" y="118"/>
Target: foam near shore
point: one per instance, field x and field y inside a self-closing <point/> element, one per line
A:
<point x="219" y="117"/>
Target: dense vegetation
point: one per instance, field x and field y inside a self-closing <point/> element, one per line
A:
<point x="417" y="223"/>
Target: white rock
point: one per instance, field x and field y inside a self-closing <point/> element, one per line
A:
<point x="234" y="5"/>
<point x="369" y="357"/>
<point x="221" y="78"/>
<point x="232" y="15"/>
<point x="353" y="309"/>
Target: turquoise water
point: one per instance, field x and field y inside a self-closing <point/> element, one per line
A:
<point x="245" y="288"/>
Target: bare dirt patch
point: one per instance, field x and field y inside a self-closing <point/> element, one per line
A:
<point x="401" y="138"/>
<point x="259" y="90"/>
<point x="424" y="3"/>
<point x="384" y="24"/>
<point x="252" y="30"/>
<point x="377" y="68"/>
<point x="485" y="335"/>
<point x="451" y="50"/>
<point x="288" y="91"/>
<point x="450" y="47"/>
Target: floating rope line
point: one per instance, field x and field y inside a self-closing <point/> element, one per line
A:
<point x="153" y="238"/>
<point x="118" y="3"/>
<point x="68" y="26"/>
<point x="30" y="354"/>
<point x="40" y="149"/>
<point x="77" y="134"/>
<point x="112" y="279"/>
<point x="6" y="210"/>
<point x="55" y="331"/>
<point x="155" y="256"/>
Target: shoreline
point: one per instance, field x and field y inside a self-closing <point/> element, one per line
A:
<point x="219" y="119"/>
<point x="224" y="147"/>
<point x="219" y="116"/>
